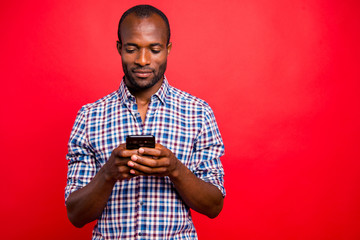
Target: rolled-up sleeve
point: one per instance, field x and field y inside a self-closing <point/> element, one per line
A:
<point x="208" y="149"/>
<point x="81" y="161"/>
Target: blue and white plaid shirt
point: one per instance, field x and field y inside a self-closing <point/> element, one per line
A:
<point x="145" y="207"/>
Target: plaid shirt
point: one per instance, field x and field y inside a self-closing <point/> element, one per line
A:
<point x="145" y="207"/>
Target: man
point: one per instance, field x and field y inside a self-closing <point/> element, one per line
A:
<point x="147" y="192"/>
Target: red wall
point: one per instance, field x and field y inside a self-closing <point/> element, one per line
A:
<point x="281" y="76"/>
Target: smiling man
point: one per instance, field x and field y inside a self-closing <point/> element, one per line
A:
<point x="144" y="193"/>
<point x="147" y="37"/>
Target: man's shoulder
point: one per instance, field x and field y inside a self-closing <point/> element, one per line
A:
<point x="179" y="96"/>
<point x="101" y="103"/>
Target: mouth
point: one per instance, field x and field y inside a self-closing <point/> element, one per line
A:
<point x="142" y="73"/>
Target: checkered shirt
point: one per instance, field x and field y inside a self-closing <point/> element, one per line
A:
<point x="145" y="207"/>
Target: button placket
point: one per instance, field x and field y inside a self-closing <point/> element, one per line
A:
<point x="152" y="108"/>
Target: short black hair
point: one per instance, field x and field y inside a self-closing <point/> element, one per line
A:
<point x="144" y="11"/>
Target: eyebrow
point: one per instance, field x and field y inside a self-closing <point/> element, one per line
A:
<point x="131" y="44"/>
<point x="155" y="45"/>
<point x="151" y="45"/>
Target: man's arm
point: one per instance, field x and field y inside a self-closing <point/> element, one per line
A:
<point x="86" y="204"/>
<point x="199" y="195"/>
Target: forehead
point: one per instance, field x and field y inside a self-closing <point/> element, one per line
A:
<point x="150" y="29"/>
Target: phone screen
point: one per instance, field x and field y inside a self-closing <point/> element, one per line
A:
<point x="138" y="141"/>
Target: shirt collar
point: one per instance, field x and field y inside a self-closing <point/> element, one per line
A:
<point x="126" y="96"/>
<point x="163" y="90"/>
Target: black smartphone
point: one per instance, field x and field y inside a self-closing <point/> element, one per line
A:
<point x="138" y="141"/>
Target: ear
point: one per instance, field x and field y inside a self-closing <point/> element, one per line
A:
<point x="169" y="46"/>
<point x="118" y="46"/>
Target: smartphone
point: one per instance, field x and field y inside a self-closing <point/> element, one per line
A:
<point x="138" y="141"/>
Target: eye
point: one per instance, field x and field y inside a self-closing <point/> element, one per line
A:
<point x="155" y="51"/>
<point x="130" y="50"/>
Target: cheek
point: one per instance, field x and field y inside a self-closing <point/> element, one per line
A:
<point x="128" y="58"/>
<point x="159" y="60"/>
<point x="125" y="60"/>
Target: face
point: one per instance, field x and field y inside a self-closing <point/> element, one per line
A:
<point x="143" y="51"/>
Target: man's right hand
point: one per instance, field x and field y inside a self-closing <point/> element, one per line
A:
<point x="116" y="168"/>
<point x="86" y="204"/>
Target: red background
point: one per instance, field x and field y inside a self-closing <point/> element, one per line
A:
<point x="281" y="76"/>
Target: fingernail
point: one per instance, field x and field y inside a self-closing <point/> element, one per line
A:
<point x="131" y="164"/>
<point x="133" y="157"/>
<point x="141" y="150"/>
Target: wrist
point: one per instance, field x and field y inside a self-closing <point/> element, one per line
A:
<point x="107" y="176"/>
<point x="178" y="171"/>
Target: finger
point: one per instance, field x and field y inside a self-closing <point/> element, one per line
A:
<point x="138" y="169"/>
<point x="146" y="161"/>
<point x="126" y="176"/>
<point x="134" y="172"/>
<point x="155" y="152"/>
<point x="123" y="169"/>
<point x="124" y="172"/>
<point x="121" y="161"/>
<point x="122" y="146"/>
<point x="123" y="153"/>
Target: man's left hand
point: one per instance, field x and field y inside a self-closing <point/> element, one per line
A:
<point x="158" y="161"/>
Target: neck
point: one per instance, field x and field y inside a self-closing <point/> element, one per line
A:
<point x="143" y="96"/>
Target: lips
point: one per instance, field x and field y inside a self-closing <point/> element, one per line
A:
<point x="142" y="73"/>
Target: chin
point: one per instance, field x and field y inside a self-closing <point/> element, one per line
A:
<point x="141" y="83"/>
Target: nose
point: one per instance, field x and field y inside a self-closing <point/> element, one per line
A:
<point x="143" y="57"/>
